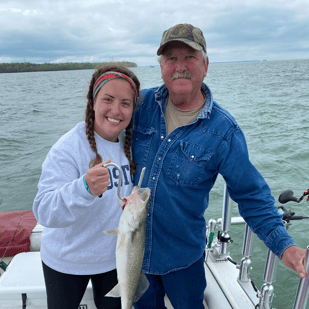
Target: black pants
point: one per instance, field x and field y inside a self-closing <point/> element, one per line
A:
<point x="66" y="291"/>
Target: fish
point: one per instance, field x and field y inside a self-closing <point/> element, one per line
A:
<point x="130" y="248"/>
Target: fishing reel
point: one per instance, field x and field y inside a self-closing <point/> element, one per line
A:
<point x="288" y="196"/>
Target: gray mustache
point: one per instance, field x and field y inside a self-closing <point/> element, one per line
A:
<point x="181" y="75"/>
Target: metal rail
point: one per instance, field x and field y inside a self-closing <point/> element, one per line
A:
<point x="302" y="291"/>
<point x="220" y="252"/>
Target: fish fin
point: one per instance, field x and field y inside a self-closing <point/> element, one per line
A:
<point x="113" y="232"/>
<point x="141" y="288"/>
<point x="114" y="292"/>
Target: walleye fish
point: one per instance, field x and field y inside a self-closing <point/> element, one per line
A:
<point x="130" y="248"/>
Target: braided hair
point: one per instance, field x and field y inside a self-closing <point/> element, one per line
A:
<point x="90" y="114"/>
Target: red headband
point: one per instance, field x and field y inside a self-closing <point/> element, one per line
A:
<point x="107" y="76"/>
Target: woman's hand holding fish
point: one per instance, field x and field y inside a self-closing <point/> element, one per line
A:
<point x="97" y="178"/>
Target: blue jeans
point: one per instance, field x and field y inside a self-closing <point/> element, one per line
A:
<point x="184" y="288"/>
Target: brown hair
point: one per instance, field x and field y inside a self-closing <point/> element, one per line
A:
<point x="90" y="115"/>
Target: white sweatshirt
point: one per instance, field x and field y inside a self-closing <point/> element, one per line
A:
<point x="73" y="241"/>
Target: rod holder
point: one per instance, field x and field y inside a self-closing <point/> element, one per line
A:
<point x="212" y="227"/>
<point x="302" y="290"/>
<point x="271" y="267"/>
<point x="247" y="252"/>
<point x="267" y="290"/>
<point x="226" y="223"/>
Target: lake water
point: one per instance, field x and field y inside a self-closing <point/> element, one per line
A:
<point x="269" y="99"/>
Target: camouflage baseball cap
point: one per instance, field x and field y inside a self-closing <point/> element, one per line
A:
<point x="185" y="33"/>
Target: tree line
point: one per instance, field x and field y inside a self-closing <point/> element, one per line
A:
<point x="34" y="67"/>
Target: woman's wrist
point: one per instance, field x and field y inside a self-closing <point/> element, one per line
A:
<point x="86" y="186"/>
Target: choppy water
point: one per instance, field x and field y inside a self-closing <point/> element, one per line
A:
<point x="270" y="100"/>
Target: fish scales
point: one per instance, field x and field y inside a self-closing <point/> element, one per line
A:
<point x="130" y="248"/>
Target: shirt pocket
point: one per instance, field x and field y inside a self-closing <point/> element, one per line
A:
<point x="188" y="164"/>
<point x="141" y="141"/>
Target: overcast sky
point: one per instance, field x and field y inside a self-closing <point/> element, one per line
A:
<point x="40" y="31"/>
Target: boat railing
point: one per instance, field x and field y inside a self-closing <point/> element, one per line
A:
<point x="219" y="251"/>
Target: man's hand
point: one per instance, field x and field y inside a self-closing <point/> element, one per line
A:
<point x="295" y="258"/>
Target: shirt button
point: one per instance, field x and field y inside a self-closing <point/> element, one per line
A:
<point x="169" y="140"/>
<point x="159" y="158"/>
<point x="162" y="136"/>
<point x="192" y="156"/>
<point x="153" y="178"/>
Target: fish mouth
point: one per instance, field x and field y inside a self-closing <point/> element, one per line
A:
<point x="181" y="75"/>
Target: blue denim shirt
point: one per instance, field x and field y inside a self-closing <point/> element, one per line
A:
<point x="181" y="169"/>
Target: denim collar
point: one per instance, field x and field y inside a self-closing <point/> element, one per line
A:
<point x="161" y="96"/>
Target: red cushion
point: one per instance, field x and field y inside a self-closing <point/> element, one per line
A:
<point x="19" y="222"/>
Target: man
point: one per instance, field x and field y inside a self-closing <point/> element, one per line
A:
<point x="185" y="139"/>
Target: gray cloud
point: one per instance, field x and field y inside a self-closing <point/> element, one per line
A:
<point x="61" y="31"/>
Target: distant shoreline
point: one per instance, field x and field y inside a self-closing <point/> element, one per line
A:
<point x="19" y="67"/>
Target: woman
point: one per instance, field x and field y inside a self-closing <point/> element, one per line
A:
<point x="77" y="197"/>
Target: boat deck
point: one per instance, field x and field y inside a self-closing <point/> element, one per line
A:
<point x="223" y="290"/>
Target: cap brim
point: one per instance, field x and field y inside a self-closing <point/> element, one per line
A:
<point x="194" y="45"/>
